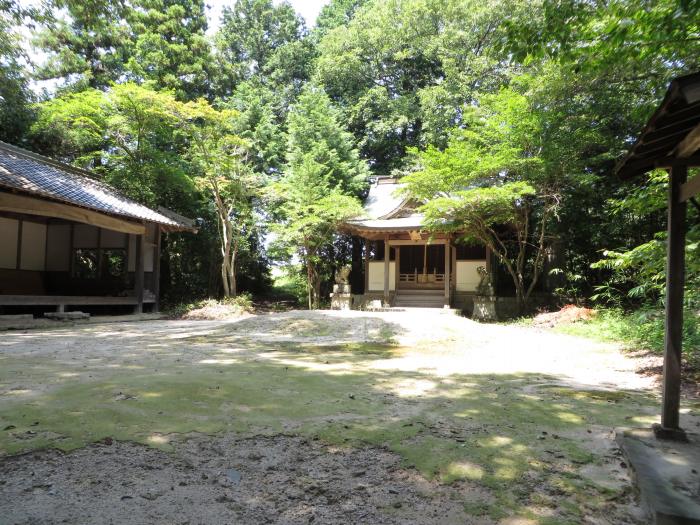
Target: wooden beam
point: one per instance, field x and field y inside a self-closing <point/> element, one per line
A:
<point x="21" y="204"/>
<point x="386" y="270"/>
<point x="408" y="242"/>
<point x="58" y="300"/>
<point x="366" y="276"/>
<point x="690" y="189"/>
<point x="676" y="127"/>
<point x="642" y="166"/>
<point x="138" y="274"/>
<point x="690" y="144"/>
<point x="675" y="278"/>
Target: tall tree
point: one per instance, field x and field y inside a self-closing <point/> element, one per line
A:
<point x="170" y="49"/>
<point x="322" y="179"/>
<point x="492" y="185"/>
<point x="334" y="14"/>
<point x="86" y="43"/>
<point x="250" y="34"/>
<point x="404" y="69"/>
<point x="258" y="122"/>
<point x="15" y="97"/>
<point x="221" y="158"/>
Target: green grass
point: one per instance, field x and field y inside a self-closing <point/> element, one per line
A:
<point x="639" y="330"/>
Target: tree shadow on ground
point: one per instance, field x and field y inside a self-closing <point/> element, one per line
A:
<point x="540" y="444"/>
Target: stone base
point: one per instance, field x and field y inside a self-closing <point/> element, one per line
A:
<point x="341" y="301"/>
<point x="484" y="308"/>
<point x="670" y="434"/>
<point x="666" y="473"/>
<point x="66" y="316"/>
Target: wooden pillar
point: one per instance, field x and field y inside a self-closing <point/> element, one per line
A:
<point x="356" y="279"/>
<point x="366" y="243"/>
<point x="138" y="275"/>
<point x="156" y="270"/>
<point x="675" y="278"/>
<point x="386" y="270"/>
<point x="448" y="261"/>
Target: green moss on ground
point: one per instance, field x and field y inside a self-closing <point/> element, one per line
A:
<point x="486" y="429"/>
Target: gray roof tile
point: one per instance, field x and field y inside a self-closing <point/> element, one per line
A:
<point x="32" y="173"/>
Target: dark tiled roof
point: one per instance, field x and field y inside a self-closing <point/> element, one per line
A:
<point x="38" y="175"/>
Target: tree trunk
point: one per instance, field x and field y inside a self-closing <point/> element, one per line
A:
<point x="233" y="286"/>
<point x="309" y="282"/>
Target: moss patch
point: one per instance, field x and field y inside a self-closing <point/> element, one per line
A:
<point x="513" y="435"/>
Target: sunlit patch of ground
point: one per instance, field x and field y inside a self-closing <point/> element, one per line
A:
<point x="513" y="423"/>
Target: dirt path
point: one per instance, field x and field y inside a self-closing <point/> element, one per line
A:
<point x="323" y="417"/>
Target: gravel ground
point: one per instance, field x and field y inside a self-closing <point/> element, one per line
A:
<point x="285" y="477"/>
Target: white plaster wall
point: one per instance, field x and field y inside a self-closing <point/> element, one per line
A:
<point x="8" y="241"/>
<point x="58" y="248"/>
<point x="467" y="278"/>
<point x="33" y="247"/>
<point x="376" y="276"/>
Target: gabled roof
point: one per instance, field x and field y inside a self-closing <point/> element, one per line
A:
<point x="38" y="175"/>
<point x="384" y="199"/>
<point x="671" y="135"/>
<point x="386" y="210"/>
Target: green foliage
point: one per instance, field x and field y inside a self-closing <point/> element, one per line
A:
<point x="170" y="49"/>
<point x="637" y="273"/>
<point x="336" y="13"/>
<point x="638" y="330"/>
<point x="86" y="43"/>
<point x="405" y="69"/>
<point x="318" y="190"/>
<point x="257" y="123"/>
<point x="492" y="176"/>
<point x="594" y="35"/>
<point x="433" y="81"/>
<point x="253" y="35"/>
<point x="15" y="97"/>
<point x="221" y="160"/>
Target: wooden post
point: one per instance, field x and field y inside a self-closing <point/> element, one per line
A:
<point x="675" y="278"/>
<point x="366" y="243"/>
<point x="156" y="270"/>
<point x="138" y="276"/>
<point x="448" y="260"/>
<point x="386" y="270"/>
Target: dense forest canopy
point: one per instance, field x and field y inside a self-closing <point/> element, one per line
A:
<point x="270" y="124"/>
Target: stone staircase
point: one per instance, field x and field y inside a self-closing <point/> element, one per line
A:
<point x="419" y="299"/>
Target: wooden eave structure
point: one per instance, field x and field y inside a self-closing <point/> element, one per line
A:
<point x="671" y="140"/>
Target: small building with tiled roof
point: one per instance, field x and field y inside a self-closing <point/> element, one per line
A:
<point x="69" y="240"/>
<point x="404" y="265"/>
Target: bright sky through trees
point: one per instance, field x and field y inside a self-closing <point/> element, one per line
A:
<point x="309" y="9"/>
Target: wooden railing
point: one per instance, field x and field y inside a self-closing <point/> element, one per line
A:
<point x="421" y="278"/>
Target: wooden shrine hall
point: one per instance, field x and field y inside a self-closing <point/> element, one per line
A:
<point x="405" y="266"/>
<point x="68" y="240"/>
